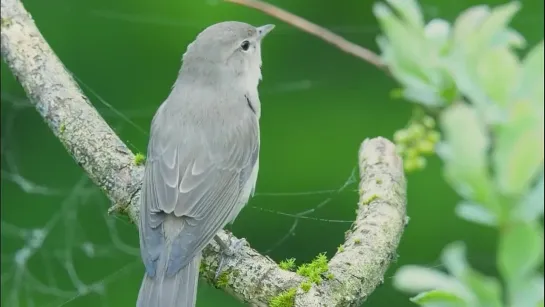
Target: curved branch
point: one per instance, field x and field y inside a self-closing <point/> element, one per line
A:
<point x="256" y="279"/>
<point x="316" y="30"/>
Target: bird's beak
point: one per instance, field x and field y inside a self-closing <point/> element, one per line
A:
<point x="263" y="31"/>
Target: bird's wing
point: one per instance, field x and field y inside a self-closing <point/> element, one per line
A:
<point x="195" y="175"/>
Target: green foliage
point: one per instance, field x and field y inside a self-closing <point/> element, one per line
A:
<point x="223" y="280"/>
<point x="438" y="298"/>
<point x="489" y="104"/>
<point x="306" y="286"/>
<point x="314" y="270"/>
<point x="468" y="170"/>
<point x="139" y="159"/>
<point x="288" y="264"/>
<point x="284" y="299"/>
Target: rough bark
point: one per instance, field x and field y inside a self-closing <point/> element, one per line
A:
<point x="354" y="272"/>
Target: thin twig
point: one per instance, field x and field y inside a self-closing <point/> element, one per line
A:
<point x="314" y="29"/>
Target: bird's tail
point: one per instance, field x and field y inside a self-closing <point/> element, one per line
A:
<point x="179" y="290"/>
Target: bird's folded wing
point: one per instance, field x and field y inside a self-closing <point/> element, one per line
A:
<point x="194" y="179"/>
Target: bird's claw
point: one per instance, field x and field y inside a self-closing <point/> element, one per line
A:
<point x="228" y="250"/>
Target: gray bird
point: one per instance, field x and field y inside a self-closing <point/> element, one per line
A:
<point x="202" y="159"/>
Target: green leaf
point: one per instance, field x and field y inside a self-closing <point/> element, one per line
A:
<point x="527" y="293"/>
<point x="509" y="38"/>
<point x="410" y="11"/>
<point x="438" y="298"/>
<point x="468" y="21"/>
<point x="532" y="205"/>
<point x="484" y="68"/>
<point x="407" y="46"/>
<point x="520" y="251"/>
<point x="415" y="279"/>
<point x="464" y="153"/>
<point x="518" y="154"/>
<point x="437" y="31"/>
<point x="497" y="72"/>
<point x="413" y="60"/>
<point x="476" y="214"/>
<point x="425" y="95"/>
<point x="478" y="28"/>
<point x="454" y="259"/>
<point x="464" y="71"/>
<point x="496" y="24"/>
<point x="486" y="290"/>
<point x="531" y="82"/>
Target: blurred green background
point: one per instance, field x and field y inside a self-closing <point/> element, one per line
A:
<point x="59" y="248"/>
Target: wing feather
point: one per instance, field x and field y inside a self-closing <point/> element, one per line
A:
<point x="195" y="182"/>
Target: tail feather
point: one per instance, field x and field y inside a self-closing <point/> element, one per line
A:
<point x="179" y="290"/>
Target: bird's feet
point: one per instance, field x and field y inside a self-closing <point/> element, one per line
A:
<point x="228" y="249"/>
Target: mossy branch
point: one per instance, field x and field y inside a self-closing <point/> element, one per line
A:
<point x="354" y="272"/>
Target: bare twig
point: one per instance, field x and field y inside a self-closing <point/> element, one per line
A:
<point x="314" y="29"/>
<point x="369" y="245"/>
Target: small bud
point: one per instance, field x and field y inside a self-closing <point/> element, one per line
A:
<point x="416" y="131"/>
<point x="433" y="136"/>
<point x="400" y="149"/>
<point x="420" y="162"/>
<point x="426" y="147"/>
<point x="411" y="153"/>
<point x="401" y="136"/>
<point x="409" y="165"/>
<point x="428" y="122"/>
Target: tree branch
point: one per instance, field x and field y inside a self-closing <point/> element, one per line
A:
<point x="316" y="30"/>
<point x="256" y="279"/>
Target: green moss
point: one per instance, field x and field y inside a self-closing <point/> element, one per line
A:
<point x="62" y="128"/>
<point x="288" y="264"/>
<point x="348" y="233"/>
<point x="314" y="270"/>
<point x="223" y="280"/>
<point x="329" y="276"/>
<point x="306" y="285"/>
<point x="139" y="159"/>
<point x="340" y="249"/>
<point x="5" y="22"/>
<point x="202" y="267"/>
<point x="357" y="241"/>
<point x="284" y="299"/>
<point x="378" y="181"/>
<point x="370" y="199"/>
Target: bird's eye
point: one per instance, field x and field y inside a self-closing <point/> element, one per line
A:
<point x="245" y="45"/>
